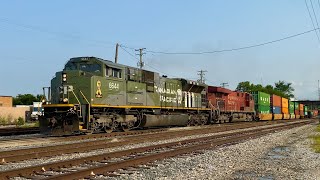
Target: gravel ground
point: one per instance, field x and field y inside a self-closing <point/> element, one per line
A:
<point x="94" y="152"/>
<point x="282" y="155"/>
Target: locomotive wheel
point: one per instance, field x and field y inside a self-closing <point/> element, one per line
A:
<point x="107" y="130"/>
<point x="191" y="122"/>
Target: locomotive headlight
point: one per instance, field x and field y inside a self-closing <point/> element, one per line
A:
<point x="65" y="100"/>
<point x="64" y="77"/>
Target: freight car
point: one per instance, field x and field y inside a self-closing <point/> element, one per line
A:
<point x="273" y="107"/>
<point x="92" y="94"/>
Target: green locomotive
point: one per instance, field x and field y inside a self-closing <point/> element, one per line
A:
<point x="93" y="95"/>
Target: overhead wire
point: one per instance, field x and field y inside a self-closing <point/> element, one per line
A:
<point x="235" y="49"/>
<point x="314" y="13"/>
<point x="123" y="48"/>
<point x="312" y="20"/>
<point x="59" y="34"/>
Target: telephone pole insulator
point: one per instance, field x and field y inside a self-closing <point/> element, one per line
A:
<point x="224" y="84"/>
<point x="141" y="53"/>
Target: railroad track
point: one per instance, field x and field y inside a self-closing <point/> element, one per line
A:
<point x="99" y="142"/>
<point x="107" y="163"/>
<point x="18" y="131"/>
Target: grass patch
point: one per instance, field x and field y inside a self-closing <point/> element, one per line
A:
<point x="316" y="141"/>
<point x="31" y="124"/>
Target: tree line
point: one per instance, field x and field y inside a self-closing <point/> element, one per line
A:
<point x="280" y="88"/>
<point x="26" y="99"/>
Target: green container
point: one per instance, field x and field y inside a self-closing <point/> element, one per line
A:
<point x="262" y="109"/>
<point x="261" y="98"/>
<point x="291" y="107"/>
<point x="296" y="106"/>
<point x="306" y="110"/>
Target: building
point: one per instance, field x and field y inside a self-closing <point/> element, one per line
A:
<point x="312" y="105"/>
<point x="5" y="101"/>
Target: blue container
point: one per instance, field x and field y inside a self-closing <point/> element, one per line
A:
<point x="275" y="109"/>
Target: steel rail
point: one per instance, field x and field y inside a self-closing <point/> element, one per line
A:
<point x="26" y="172"/>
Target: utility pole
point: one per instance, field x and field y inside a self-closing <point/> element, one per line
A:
<point x="116" y="56"/>
<point x="141" y="63"/>
<point x="224" y="84"/>
<point x="202" y="78"/>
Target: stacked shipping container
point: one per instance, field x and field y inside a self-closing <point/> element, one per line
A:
<point x="301" y="108"/>
<point x="296" y="110"/>
<point x="291" y="110"/>
<point x="275" y="107"/>
<point x="306" y="110"/>
<point x="285" y="108"/>
<point x="262" y="105"/>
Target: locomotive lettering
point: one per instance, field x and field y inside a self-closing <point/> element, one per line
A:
<point x="113" y="85"/>
<point x="169" y="95"/>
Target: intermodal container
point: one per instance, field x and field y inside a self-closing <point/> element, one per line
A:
<point x="284" y="110"/>
<point x="291" y="107"/>
<point x="284" y="103"/>
<point x="296" y="106"/>
<point x="305" y="110"/>
<point x="301" y="107"/>
<point x="262" y="109"/>
<point x="276" y="110"/>
<point x="296" y="109"/>
<point x="301" y="113"/>
<point x="261" y="98"/>
<point x="275" y="101"/>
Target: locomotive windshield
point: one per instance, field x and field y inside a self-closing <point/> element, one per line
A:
<point x="71" y="66"/>
<point x="87" y="67"/>
<point x="90" y="67"/>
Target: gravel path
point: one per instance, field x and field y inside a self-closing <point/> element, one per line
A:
<point x="282" y="155"/>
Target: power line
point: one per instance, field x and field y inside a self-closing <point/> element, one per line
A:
<point x="235" y="49"/>
<point x="314" y="13"/>
<point x="121" y="46"/>
<point x="312" y="20"/>
<point x="60" y="34"/>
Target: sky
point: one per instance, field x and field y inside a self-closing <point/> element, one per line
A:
<point x="38" y="37"/>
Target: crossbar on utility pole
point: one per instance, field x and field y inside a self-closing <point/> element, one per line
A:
<point x="141" y="53"/>
<point x="202" y="78"/>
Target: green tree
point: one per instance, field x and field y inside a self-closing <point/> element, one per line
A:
<point x="24" y="99"/>
<point x="285" y="88"/>
<point x="281" y="88"/>
<point x="40" y="97"/>
<point x="244" y="86"/>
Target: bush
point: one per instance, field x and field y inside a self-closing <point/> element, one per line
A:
<point x="10" y="119"/>
<point x="3" y="120"/>
<point x="20" y="121"/>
